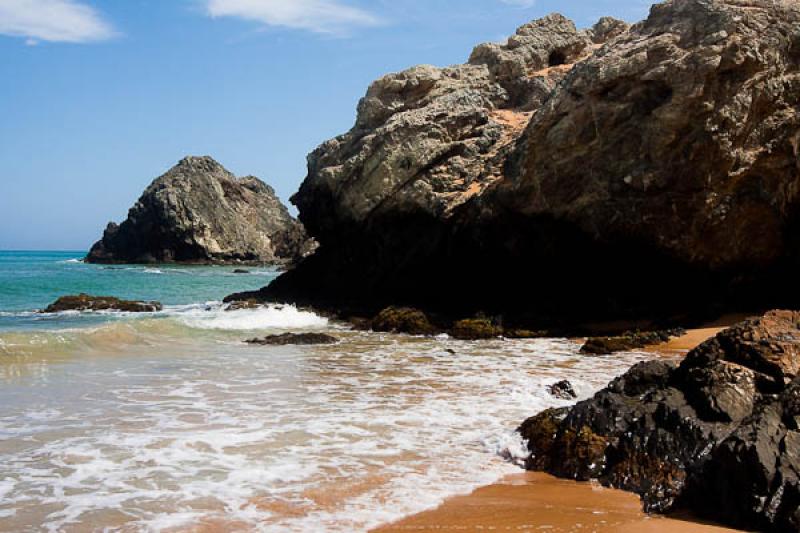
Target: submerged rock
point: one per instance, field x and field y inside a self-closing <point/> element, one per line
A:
<point x="632" y="340"/>
<point x="717" y="434"/>
<point x="198" y="212"/>
<point x="562" y="390"/>
<point x="294" y="338"/>
<point x="240" y="305"/>
<point x="571" y="179"/>
<point x="85" y="302"/>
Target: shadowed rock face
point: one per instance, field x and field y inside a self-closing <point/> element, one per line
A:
<point x="199" y="212"/>
<point x="718" y="434"/>
<point x="556" y="175"/>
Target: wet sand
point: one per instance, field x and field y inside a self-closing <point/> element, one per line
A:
<point x="532" y="501"/>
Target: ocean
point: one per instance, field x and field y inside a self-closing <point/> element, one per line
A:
<point x="168" y="421"/>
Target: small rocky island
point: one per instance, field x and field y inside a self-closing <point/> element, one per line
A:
<point x="198" y="212"/>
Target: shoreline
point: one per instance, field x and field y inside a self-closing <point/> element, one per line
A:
<point x="536" y="500"/>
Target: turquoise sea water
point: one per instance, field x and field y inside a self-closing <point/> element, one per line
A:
<point x="169" y="422"/>
<point x="29" y="281"/>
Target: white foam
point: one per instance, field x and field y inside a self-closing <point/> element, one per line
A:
<point x="345" y="437"/>
<point x="153" y="271"/>
<point x="282" y="317"/>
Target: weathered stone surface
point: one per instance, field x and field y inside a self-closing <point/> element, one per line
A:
<point x="656" y="174"/>
<point x="199" y="212"/>
<point x="715" y="434"/>
<point x="85" y="302"/>
<point x="294" y="338"/>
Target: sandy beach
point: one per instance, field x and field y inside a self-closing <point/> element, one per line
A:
<point x="532" y="501"/>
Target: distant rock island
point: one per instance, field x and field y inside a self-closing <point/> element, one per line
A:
<point x="571" y="175"/>
<point x="198" y="212"/>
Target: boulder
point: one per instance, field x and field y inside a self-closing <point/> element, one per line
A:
<point x="402" y="320"/>
<point x="198" y="212"/>
<point x="562" y="390"/>
<point x="571" y="176"/>
<point x="716" y="434"/>
<point x="85" y="302"/>
<point x="294" y="338"/>
<point x="471" y="329"/>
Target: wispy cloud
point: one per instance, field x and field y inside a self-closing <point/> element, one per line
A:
<point x="321" y="16"/>
<point x="53" y="20"/>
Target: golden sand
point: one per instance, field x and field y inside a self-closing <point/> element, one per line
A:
<point x="534" y="501"/>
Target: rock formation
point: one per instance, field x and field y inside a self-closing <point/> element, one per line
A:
<point x="301" y="339"/>
<point x="199" y="212"/>
<point x="718" y="434"/>
<point x="85" y="302"/>
<point x="556" y="175"/>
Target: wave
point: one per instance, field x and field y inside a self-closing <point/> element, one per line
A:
<point x="71" y="261"/>
<point x="73" y="332"/>
<point x="269" y="317"/>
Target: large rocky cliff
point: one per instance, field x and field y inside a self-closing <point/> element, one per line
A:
<point x="198" y="212"/>
<point x="571" y="175"/>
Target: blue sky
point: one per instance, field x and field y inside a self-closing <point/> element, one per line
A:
<point x="98" y="97"/>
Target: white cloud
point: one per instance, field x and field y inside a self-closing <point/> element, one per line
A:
<point x="321" y="16"/>
<point x="53" y="20"/>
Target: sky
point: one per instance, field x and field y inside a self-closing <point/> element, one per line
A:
<point x="99" y="97"/>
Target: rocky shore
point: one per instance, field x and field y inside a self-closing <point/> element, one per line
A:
<point x="620" y="180"/>
<point x="718" y="434"/>
<point x="198" y="212"/>
<point x="570" y="176"/>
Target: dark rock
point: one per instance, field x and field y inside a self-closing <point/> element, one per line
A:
<point x="716" y="434"/>
<point x="518" y="185"/>
<point x="562" y="390"/>
<point x="525" y="334"/>
<point x="239" y="305"/>
<point x="198" y="212"/>
<point x="632" y="340"/>
<point x="403" y="320"/>
<point x="475" y="329"/>
<point x="85" y="302"/>
<point x="294" y="338"/>
<point x="241" y="271"/>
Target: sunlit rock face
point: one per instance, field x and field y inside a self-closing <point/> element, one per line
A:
<point x="556" y="175"/>
<point x="199" y="212"/>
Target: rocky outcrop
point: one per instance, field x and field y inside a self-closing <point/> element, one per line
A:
<point x="301" y="339"/>
<point x="554" y="177"/>
<point x="630" y="340"/>
<point x="718" y="434"/>
<point x="85" y="302"/>
<point x="198" y="212"/>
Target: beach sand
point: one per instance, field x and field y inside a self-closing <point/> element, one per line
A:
<point x="533" y="501"/>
